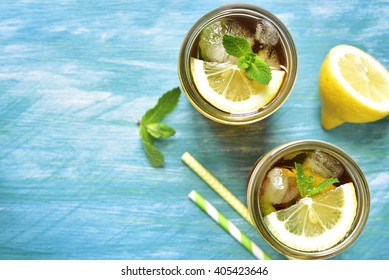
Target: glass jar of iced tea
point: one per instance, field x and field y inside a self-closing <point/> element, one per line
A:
<point x="308" y="199"/>
<point x="217" y="85"/>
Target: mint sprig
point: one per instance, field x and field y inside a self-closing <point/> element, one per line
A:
<point x="150" y="127"/>
<point x="256" y="68"/>
<point x="166" y="103"/>
<point x="236" y="46"/>
<point x="305" y="183"/>
<point x="160" y="130"/>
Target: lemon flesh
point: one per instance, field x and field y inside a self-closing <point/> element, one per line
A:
<point x="315" y="223"/>
<point x="227" y="87"/>
<point x="353" y="87"/>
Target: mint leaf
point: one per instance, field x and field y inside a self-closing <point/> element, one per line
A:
<point x="160" y="130"/>
<point x="244" y="62"/>
<point x="236" y="46"/>
<point x="146" y="136"/>
<point x="259" y="70"/>
<point x="150" y="128"/>
<point x="322" y="186"/>
<point x="155" y="157"/>
<point x="256" y="68"/>
<point x="304" y="183"/>
<point x="164" y="106"/>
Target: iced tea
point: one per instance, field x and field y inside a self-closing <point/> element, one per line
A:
<point x="213" y="80"/>
<point x="308" y="199"/>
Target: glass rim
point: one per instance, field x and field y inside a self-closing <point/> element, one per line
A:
<point x="190" y="89"/>
<point x="261" y="168"/>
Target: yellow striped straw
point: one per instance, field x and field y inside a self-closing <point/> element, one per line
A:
<point x="217" y="186"/>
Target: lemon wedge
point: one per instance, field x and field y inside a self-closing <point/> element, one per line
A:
<point x="227" y="87"/>
<point x="353" y="87"/>
<point x="315" y="223"/>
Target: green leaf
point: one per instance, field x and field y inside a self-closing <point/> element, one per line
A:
<point x="256" y="68"/>
<point x="304" y="183"/>
<point x="259" y="70"/>
<point x="236" y="46"/>
<point x="150" y="128"/>
<point x="164" y="106"/>
<point x="322" y="186"/>
<point x="146" y="136"/>
<point x="155" y="157"/>
<point x="160" y="130"/>
<point x="244" y="62"/>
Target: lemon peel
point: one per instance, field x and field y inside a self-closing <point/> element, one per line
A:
<point x="353" y="87"/>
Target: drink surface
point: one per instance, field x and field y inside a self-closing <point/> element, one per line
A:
<point x="218" y="78"/>
<point x="261" y="34"/>
<point x="308" y="201"/>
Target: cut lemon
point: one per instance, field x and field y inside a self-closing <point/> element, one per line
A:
<point x="227" y="87"/>
<point x="353" y="87"/>
<point x="315" y="223"/>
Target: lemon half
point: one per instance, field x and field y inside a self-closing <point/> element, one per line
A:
<point x="315" y="223"/>
<point x="353" y="87"/>
<point x="228" y="88"/>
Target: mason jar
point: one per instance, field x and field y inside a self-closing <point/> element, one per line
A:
<point x="354" y="173"/>
<point x="244" y="13"/>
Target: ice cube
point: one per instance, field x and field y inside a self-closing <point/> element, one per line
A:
<point x="211" y="40"/>
<point x="279" y="186"/>
<point x="324" y="165"/>
<point x="266" y="33"/>
<point x="237" y="29"/>
<point x="269" y="55"/>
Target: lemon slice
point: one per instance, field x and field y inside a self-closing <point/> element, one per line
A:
<point x="315" y="223"/>
<point x="227" y="87"/>
<point x="353" y="86"/>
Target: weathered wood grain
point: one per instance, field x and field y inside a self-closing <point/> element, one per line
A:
<point x="75" y="76"/>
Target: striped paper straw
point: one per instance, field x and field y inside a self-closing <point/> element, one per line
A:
<point x="228" y="226"/>
<point x="217" y="186"/>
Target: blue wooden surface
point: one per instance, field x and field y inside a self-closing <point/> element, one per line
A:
<point x="75" y="76"/>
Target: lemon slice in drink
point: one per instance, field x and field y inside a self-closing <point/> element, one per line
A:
<point x="353" y="87"/>
<point x="315" y="223"/>
<point x="227" y="87"/>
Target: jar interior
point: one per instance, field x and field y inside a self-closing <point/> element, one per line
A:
<point x="249" y="16"/>
<point x="281" y="158"/>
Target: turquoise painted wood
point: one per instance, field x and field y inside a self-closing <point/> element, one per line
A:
<point x="75" y="76"/>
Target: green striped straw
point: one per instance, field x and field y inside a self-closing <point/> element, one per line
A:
<point x="227" y="225"/>
<point x="217" y="186"/>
